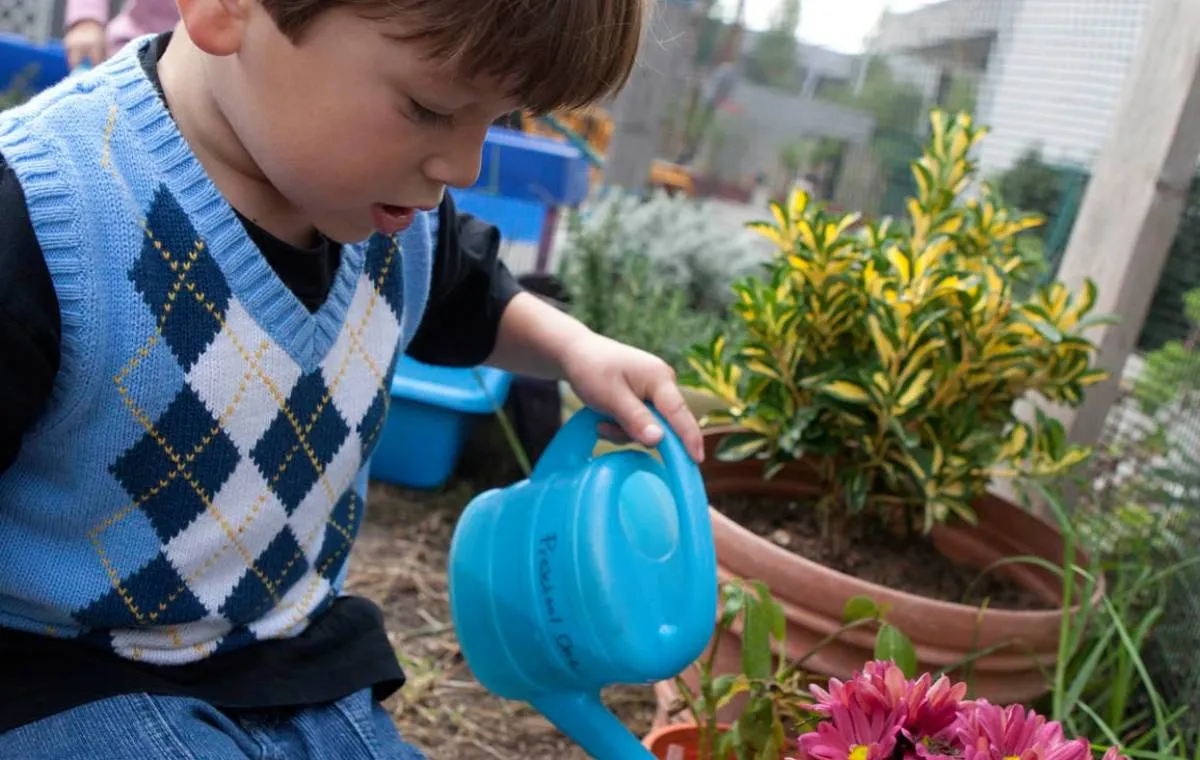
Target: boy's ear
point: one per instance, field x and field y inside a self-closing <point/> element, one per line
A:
<point x="216" y="26"/>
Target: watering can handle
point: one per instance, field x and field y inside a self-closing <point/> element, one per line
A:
<point x="573" y="447"/>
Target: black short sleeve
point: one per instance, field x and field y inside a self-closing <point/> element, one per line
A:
<point x="30" y="329"/>
<point x="470" y="288"/>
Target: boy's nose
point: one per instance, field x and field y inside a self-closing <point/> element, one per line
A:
<point x="459" y="165"/>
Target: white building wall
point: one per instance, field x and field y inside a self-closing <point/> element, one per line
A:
<point x="1057" y="78"/>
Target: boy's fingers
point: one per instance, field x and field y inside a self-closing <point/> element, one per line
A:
<point x="670" y="403"/>
<point x="640" y="425"/>
<point x="632" y="414"/>
<point x="613" y="433"/>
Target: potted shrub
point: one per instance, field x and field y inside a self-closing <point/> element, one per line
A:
<point x="768" y="696"/>
<point x="869" y="375"/>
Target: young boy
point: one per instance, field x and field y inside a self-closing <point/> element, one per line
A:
<point x="213" y="246"/>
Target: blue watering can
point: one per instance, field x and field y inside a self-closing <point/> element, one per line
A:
<point x="597" y="570"/>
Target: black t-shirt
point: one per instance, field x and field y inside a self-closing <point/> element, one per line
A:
<point x="345" y="649"/>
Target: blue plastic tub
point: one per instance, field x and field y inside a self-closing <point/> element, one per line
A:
<point x="432" y="412"/>
<point x="519" y="221"/>
<point x="30" y="66"/>
<point x="532" y="168"/>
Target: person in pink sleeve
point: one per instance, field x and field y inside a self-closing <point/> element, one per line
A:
<point x="91" y="36"/>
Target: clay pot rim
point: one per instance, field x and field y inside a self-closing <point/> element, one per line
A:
<point x="778" y="553"/>
<point x="663" y="732"/>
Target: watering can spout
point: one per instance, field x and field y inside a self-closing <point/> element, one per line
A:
<point x="584" y="719"/>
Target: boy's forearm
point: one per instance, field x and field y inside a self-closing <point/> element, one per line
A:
<point x="535" y="338"/>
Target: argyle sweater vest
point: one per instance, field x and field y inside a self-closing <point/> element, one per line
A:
<point x="198" y="478"/>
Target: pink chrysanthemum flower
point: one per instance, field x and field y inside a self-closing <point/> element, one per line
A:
<point x="879" y="686"/>
<point x="991" y="732"/>
<point x="851" y="735"/>
<point x="932" y="707"/>
<point x="927" y="708"/>
<point x="1114" y="753"/>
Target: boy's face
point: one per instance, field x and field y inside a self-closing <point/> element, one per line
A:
<point x="349" y="125"/>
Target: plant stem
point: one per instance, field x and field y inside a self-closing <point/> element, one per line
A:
<point x="1060" y="672"/>
<point x="799" y="664"/>
<point x="514" y="443"/>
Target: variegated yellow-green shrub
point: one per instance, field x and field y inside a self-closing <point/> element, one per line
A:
<point x="890" y="354"/>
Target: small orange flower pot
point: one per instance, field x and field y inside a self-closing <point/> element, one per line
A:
<point x="686" y="736"/>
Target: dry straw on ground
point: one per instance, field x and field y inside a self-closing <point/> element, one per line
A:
<point x="400" y="563"/>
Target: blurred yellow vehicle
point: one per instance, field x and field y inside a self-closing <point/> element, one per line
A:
<point x="593" y="127"/>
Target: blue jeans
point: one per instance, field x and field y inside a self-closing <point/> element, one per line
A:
<point x="141" y="727"/>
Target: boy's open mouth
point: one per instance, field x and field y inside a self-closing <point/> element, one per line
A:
<point x="391" y="219"/>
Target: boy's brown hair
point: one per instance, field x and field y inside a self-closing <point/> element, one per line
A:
<point x="556" y="53"/>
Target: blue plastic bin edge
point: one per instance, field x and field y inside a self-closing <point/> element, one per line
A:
<point x="453" y="388"/>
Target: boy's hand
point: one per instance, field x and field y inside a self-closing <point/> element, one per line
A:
<point x="618" y="380"/>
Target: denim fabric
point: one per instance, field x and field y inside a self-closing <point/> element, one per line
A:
<point x="142" y="727"/>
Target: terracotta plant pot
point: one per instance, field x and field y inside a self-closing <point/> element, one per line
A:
<point x="684" y="735"/>
<point x="699" y="402"/>
<point x="943" y="633"/>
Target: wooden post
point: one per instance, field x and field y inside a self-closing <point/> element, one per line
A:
<point x="1139" y="186"/>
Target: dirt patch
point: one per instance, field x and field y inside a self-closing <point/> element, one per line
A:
<point x="399" y="562"/>
<point x="904" y="564"/>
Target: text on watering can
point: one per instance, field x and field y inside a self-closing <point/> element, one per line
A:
<point x="546" y="547"/>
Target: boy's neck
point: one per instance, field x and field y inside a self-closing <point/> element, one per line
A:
<point x="185" y="83"/>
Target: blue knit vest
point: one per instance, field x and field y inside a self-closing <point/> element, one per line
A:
<point x="198" y="477"/>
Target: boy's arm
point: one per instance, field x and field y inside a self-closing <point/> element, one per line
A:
<point x="30" y="331"/>
<point x="613" y="378"/>
<point x="478" y="314"/>
<point x="469" y="291"/>
<point x="535" y="339"/>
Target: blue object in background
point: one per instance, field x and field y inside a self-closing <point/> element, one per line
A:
<point x="44" y="65"/>
<point x="532" y="168"/>
<point x="518" y="221"/>
<point x="522" y="178"/>
<point x="433" y="410"/>
<point x="594" y="571"/>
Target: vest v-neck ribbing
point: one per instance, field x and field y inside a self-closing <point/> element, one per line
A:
<point x="306" y="336"/>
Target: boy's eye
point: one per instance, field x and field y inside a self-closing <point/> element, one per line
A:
<point x="429" y="116"/>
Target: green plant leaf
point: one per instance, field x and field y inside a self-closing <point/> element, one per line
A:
<point x="859" y="608"/>
<point x="729" y="742"/>
<point x="733" y="601"/>
<point x="1094" y="320"/>
<point x="722" y="685"/>
<point x="892" y="644"/>
<point x="756" y="641"/>
<point x="1045" y="329"/>
<point x="844" y="390"/>
<point x="736" y="447"/>
<point x="778" y="619"/>
<point x="855" y="490"/>
<point x="772" y="748"/>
